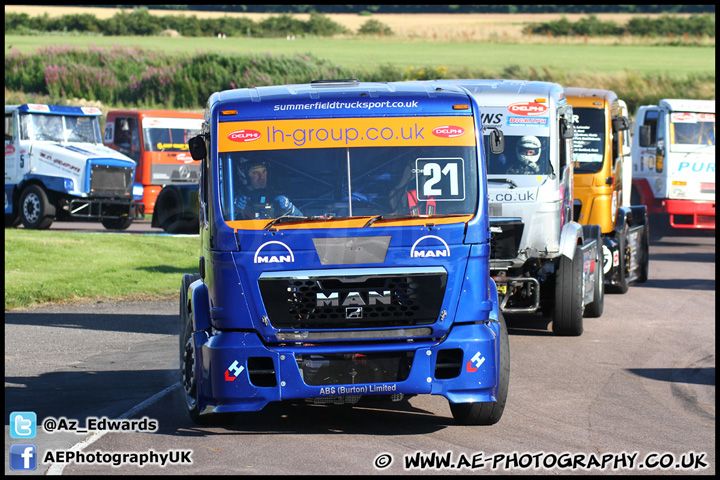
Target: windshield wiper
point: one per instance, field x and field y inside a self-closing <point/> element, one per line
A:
<point x="400" y="217"/>
<point x="291" y="218"/>
<point x="503" y="180"/>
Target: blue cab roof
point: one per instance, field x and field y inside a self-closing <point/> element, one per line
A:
<point x="342" y="99"/>
<point x="55" y="109"/>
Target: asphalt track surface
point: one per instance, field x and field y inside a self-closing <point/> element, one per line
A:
<point x="636" y="391"/>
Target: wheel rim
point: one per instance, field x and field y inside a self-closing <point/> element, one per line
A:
<point x="31" y="208"/>
<point x="188" y="373"/>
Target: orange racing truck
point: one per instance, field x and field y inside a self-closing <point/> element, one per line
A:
<point x="157" y="141"/>
<point x="599" y="170"/>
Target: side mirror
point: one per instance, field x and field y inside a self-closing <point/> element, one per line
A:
<point x="644" y="136"/>
<point x="197" y="147"/>
<point x="567" y="130"/>
<point x="497" y="141"/>
<point x="620" y="124"/>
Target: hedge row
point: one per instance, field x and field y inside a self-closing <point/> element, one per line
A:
<point x="665" y="26"/>
<point x="140" y="22"/>
<point x="158" y="80"/>
<point x="153" y="78"/>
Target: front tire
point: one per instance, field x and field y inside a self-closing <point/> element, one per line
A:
<point x="624" y="253"/>
<point x="644" y="255"/>
<point x="489" y="413"/>
<point x="188" y="356"/>
<point x="595" y="309"/>
<point x="568" y="309"/>
<point x="36" y="211"/>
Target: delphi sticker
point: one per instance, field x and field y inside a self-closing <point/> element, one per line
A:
<point x="528" y="108"/>
<point x="448" y="131"/>
<point x="244" y="135"/>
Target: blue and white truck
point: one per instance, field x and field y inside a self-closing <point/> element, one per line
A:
<point x="56" y="168"/>
<point x="358" y="270"/>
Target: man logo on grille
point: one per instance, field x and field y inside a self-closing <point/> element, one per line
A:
<point x="353" y="312"/>
<point x="353" y="299"/>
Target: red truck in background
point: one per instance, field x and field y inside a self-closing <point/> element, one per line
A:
<point x="158" y="141"/>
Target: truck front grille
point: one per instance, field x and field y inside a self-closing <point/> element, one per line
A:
<point x="110" y="181"/>
<point x="505" y="238"/>
<point x="354" y="301"/>
<point x="356" y="368"/>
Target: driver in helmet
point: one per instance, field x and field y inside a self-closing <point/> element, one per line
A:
<point x="260" y="200"/>
<point x="528" y="155"/>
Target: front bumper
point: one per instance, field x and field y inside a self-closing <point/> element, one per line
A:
<point x="236" y="372"/>
<point x="104" y="208"/>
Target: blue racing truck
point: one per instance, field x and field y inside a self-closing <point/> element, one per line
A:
<point x="344" y="252"/>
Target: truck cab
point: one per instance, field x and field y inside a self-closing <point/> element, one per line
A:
<point x="56" y="168"/>
<point x="541" y="260"/>
<point x="674" y="163"/>
<point x="157" y="141"/>
<point x="600" y="129"/>
<point x="344" y="252"/>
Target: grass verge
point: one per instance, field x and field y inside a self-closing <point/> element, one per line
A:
<point x="44" y="267"/>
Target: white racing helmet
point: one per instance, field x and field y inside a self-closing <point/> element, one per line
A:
<point x="528" y="151"/>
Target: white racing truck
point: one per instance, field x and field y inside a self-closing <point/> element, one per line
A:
<point x="56" y="168"/>
<point x="673" y="157"/>
<point x="540" y="258"/>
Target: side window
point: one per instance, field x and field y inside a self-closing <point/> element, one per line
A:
<point x="660" y="131"/>
<point x="651" y="120"/>
<point x="204" y="175"/>
<point x="566" y="144"/>
<point x="127" y="137"/>
<point x="616" y="146"/>
<point x="9" y="133"/>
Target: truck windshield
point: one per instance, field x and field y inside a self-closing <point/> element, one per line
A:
<point x="589" y="139"/>
<point x="523" y="155"/>
<point x="59" y="128"/>
<point x="349" y="182"/>
<point x="692" y="129"/>
<point x="169" y="134"/>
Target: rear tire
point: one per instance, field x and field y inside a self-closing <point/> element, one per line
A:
<point x="36" y="211"/>
<point x="117" y="223"/>
<point x="489" y="413"/>
<point x="568" y="309"/>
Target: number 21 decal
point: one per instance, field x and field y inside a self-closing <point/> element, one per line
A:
<point x="440" y="178"/>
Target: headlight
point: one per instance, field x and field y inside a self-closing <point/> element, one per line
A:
<point x="137" y="191"/>
<point x="678" y="189"/>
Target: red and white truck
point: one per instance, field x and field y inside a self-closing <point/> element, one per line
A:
<point x="674" y="163"/>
